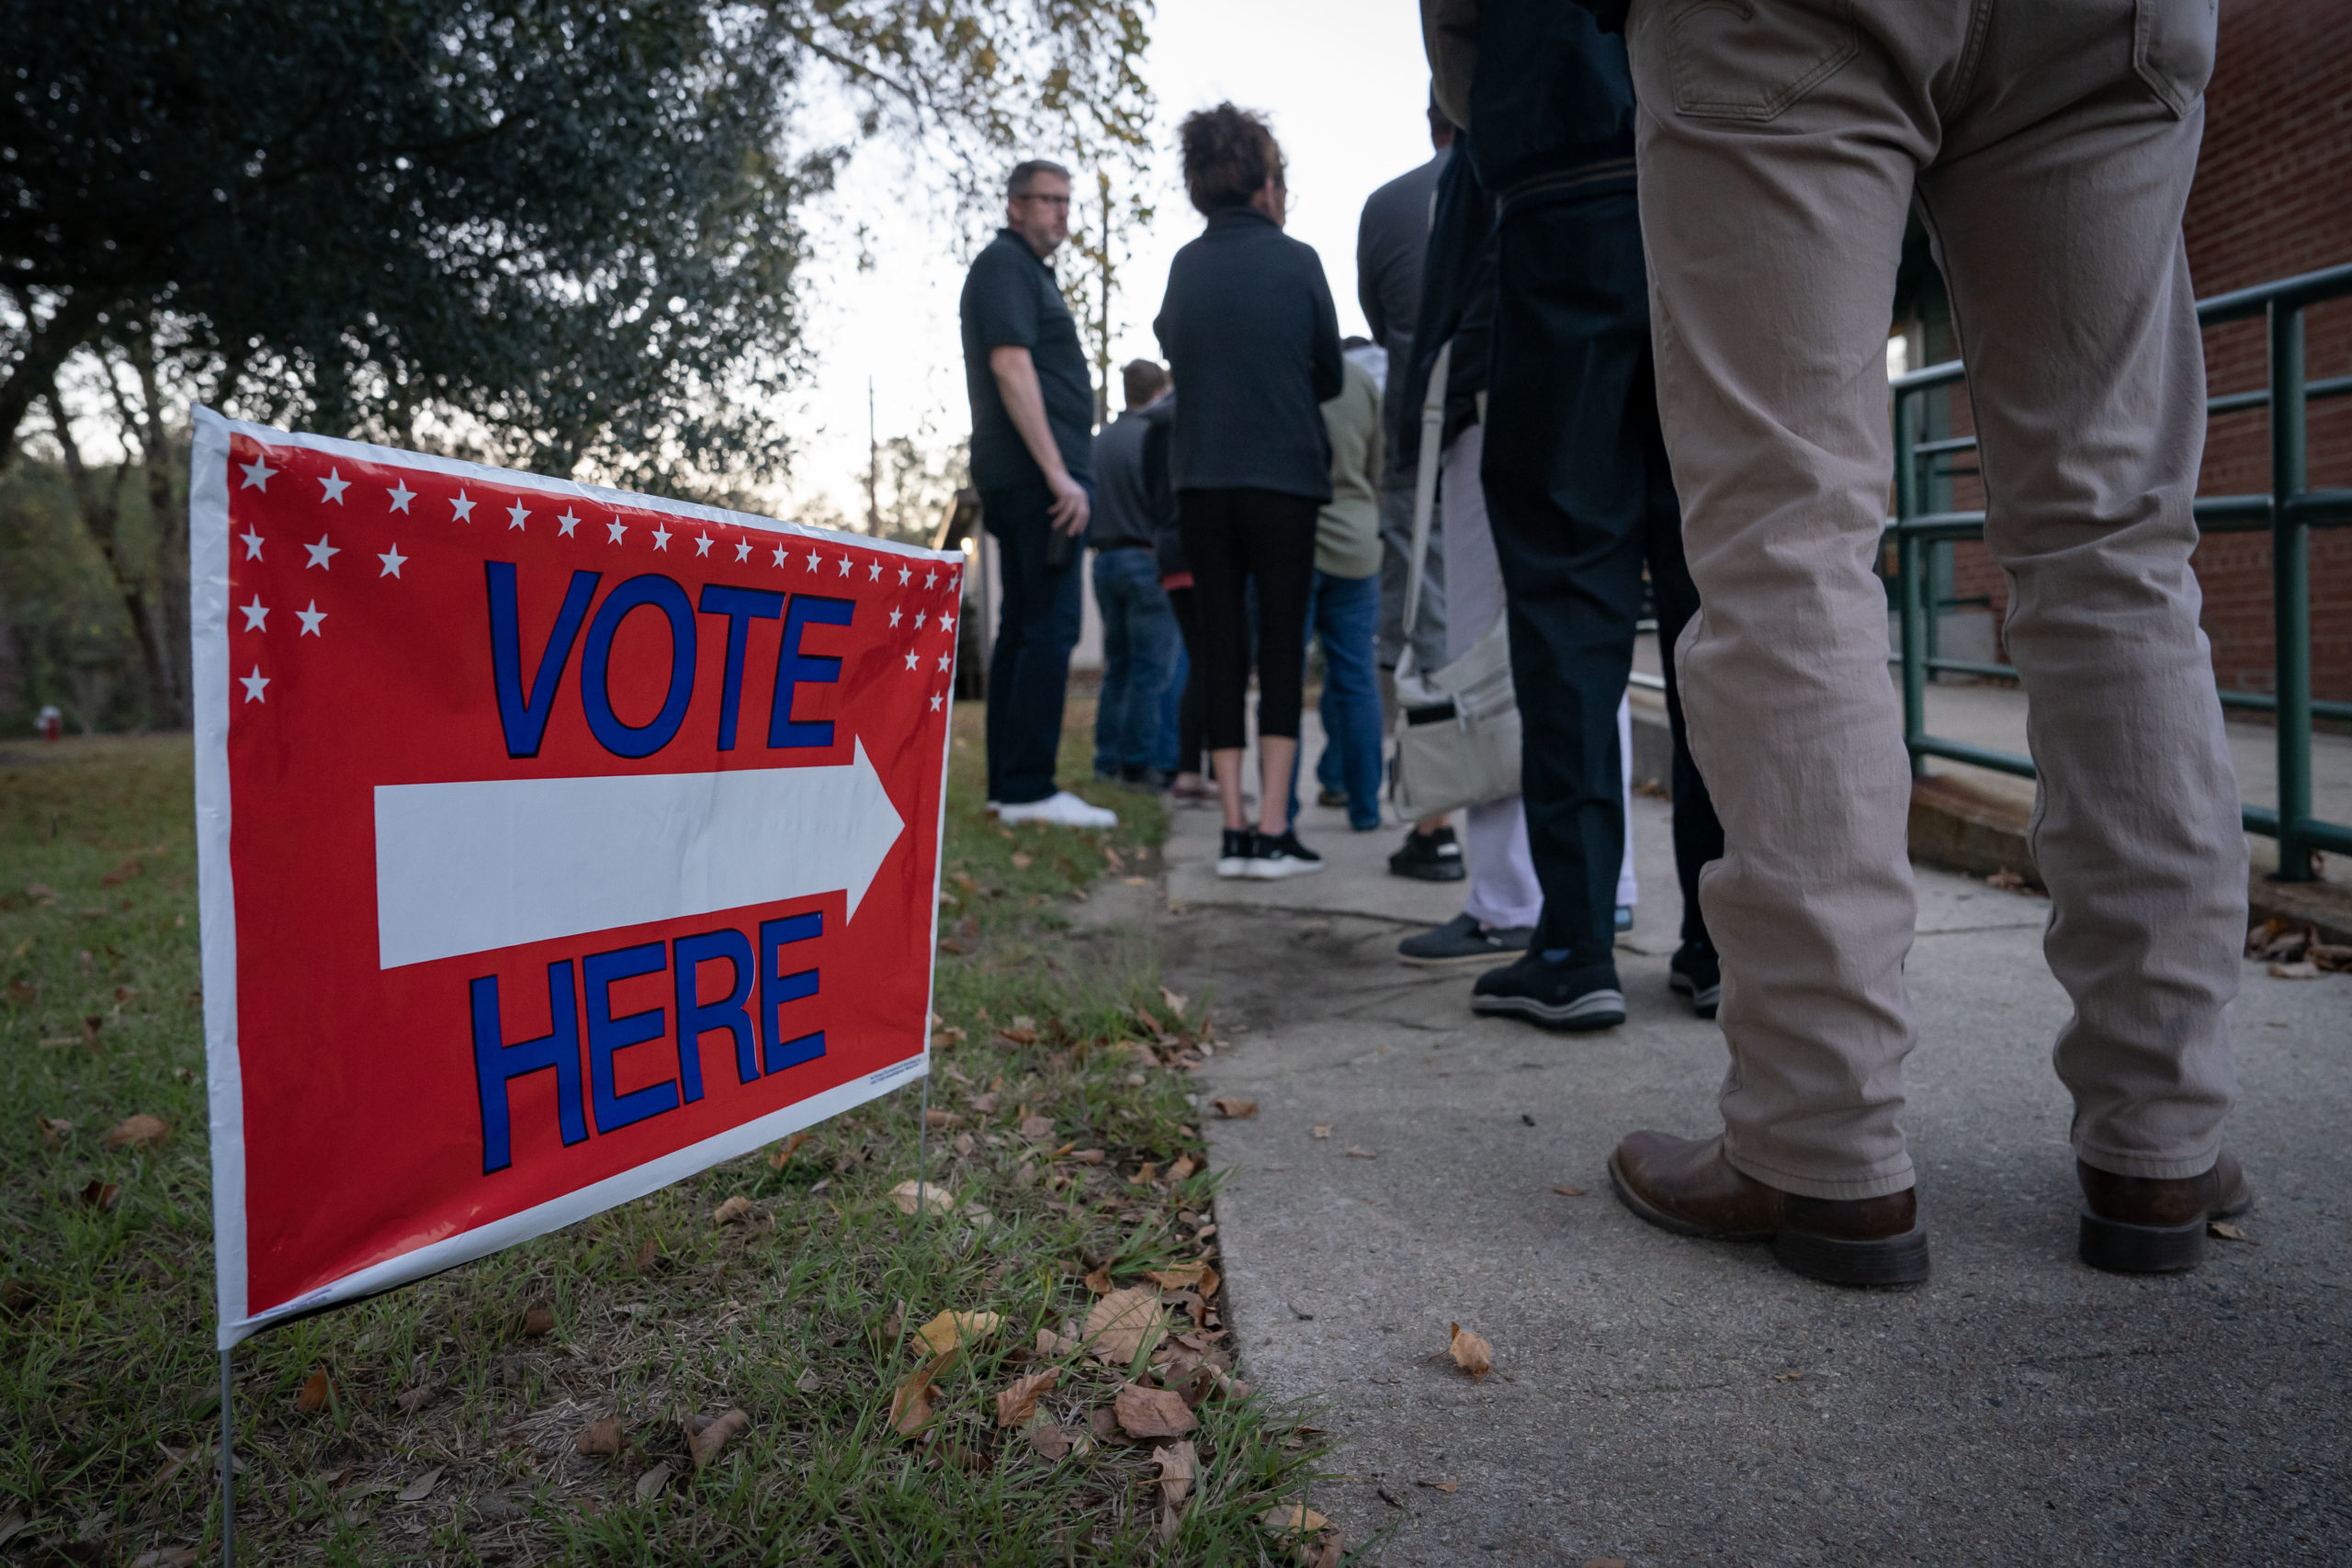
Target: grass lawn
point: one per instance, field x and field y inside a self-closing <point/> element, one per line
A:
<point x="445" y="1423"/>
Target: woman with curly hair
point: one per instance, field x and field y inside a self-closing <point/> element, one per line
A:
<point x="1250" y="336"/>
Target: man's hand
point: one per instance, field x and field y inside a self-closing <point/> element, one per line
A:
<point x="1070" y="508"/>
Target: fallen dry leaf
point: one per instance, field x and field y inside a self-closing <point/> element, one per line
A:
<point x="166" y="1557"/>
<point x="1120" y="1322"/>
<point x="946" y="944"/>
<point x="1037" y="1129"/>
<point x="1570" y="1192"/>
<point x="2301" y="969"/>
<point x="704" y="1445"/>
<point x="1018" y="1401"/>
<point x="908" y="1195"/>
<point x="537" y="1322"/>
<point x="910" y="1404"/>
<point x="101" y="1195"/>
<point x="786" y="1150"/>
<point x="1186" y="1277"/>
<point x="417" y="1491"/>
<point x="1052" y="1344"/>
<point x="1180" y="1466"/>
<point x="316" y="1395"/>
<point x="1446" y="1486"/>
<point x="1471" y="1352"/>
<point x="2005" y="879"/>
<point x="599" y="1437"/>
<point x="413" y="1400"/>
<point x="2228" y="1232"/>
<point x="949" y="1329"/>
<point x="54" y="1130"/>
<point x="1361" y="1153"/>
<point x="1602" y="1563"/>
<point x="1175" y="1003"/>
<point x="735" y="1211"/>
<point x="649" y="1484"/>
<point x="139" y="1131"/>
<point x="1021" y="861"/>
<point x="1293" y="1518"/>
<point x="809" y="1381"/>
<point x="946" y="1120"/>
<point x="1099" y="1281"/>
<point x="1057" y="1442"/>
<point x="1089" y="1156"/>
<point x="1153" y="1412"/>
<point x="1233" y="1106"/>
<point x="1185" y="1165"/>
<point x="1322" y="1129"/>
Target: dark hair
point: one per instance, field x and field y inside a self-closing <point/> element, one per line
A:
<point x="1017" y="182"/>
<point x="1143" y="379"/>
<point x="1352" y="341"/>
<point x="1229" y="157"/>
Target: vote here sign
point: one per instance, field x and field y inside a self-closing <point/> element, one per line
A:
<point x="555" y="843"/>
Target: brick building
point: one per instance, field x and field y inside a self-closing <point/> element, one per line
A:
<point x="2273" y="198"/>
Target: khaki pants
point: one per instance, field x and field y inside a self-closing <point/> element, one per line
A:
<point x="2049" y="145"/>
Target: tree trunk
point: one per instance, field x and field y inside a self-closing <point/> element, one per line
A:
<point x="167" y="502"/>
<point x="101" y="513"/>
<point x="34" y="376"/>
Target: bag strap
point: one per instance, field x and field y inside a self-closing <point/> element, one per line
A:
<point x="1425" y="482"/>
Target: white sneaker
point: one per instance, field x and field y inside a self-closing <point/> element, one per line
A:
<point x="994" y="807"/>
<point x="1061" y="808"/>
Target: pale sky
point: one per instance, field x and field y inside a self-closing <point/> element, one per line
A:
<point x="1343" y="82"/>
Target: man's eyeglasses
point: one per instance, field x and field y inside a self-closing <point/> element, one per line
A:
<point x="1040" y="196"/>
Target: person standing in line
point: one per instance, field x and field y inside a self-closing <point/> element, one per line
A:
<point x="1576" y="481"/>
<point x="1253" y="339"/>
<point x="1138" y="626"/>
<point x="1180" y="707"/>
<point x="1345" y="605"/>
<point x="1032" y="419"/>
<point x="1392" y="236"/>
<point x="2049" y="145"/>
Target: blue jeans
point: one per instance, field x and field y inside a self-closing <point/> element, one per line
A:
<point x="1168" y="753"/>
<point x="1344" y="612"/>
<point x="1037" y="624"/>
<point x="1138" y="647"/>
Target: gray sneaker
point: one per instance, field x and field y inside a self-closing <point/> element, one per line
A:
<point x="1463" y="939"/>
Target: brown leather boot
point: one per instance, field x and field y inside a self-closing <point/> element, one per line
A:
<point x="1686" y="1185"/>
<point x="2145" y="1224"/>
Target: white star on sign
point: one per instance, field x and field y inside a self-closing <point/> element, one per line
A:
<point x="931" y="580"/>
<point x="904" y="573"/>
<point x="254" y="684"/>
<point x="912" y="662"/>
<point x="934" y="701"/>
<point x="256" y="615"/>
<point x="779" y="555"/>
<point x="253" y="544"/>
<point x="310" y="619"/>
<point x="919" y="615"/>
<point x="844" y="566"/>
<point x="566" y="523"/>
<point x="743" y="549"/>
<point x="947" y="623"/>
<point x="392" y="561"/>
<point x="942" y="661"/>
<point x="401" y="495"/>
<point x="615" y="528"/>
<point x="464" y="509"/>
<point x="812" y="560"/>
<point x="661" y="537"/>
<point x="259" y="473"/>
<point x="702" y="545"/>
<point x="515" y="516"/>
<point x="322" y="554"/>
<point x="874" y="572"/>
<point x="334" y="484"/>
<point x="894" y="616"/>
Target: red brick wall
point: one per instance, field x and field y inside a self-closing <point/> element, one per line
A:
<point x="2273" y="198"/>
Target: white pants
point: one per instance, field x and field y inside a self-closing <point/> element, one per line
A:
<point x="1503" y="890"/>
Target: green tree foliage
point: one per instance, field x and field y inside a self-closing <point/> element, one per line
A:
<point x="558" y="234"/>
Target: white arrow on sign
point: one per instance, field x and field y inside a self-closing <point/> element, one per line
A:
<point x="494" y="863"/>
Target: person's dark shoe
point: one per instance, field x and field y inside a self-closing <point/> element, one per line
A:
<point x="1145" y="777"/>
<point x="1557" y="995"/>
<point x="1277" y="857"/>
<point x="1686" y="1185"/>
<point x="2142" y="1225"/>
<point x="1234" y="854"/>
<point x="1464" y="940"/>
<point x="1331" y="799"/>
<point x="1429" y="857"/>
<point x="1695" y="971"/>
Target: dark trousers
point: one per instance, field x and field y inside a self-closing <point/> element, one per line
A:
<point x="1191" y="737"/>
<point x="1581" y="501"/>
<point x="1037" y="624"/>
<point x="1234" y="540"/>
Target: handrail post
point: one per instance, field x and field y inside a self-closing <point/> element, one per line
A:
<point x="1910" y="581"/>
<point x="2291" y="590"/>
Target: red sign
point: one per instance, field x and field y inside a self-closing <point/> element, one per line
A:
<point x="555" y="843"/>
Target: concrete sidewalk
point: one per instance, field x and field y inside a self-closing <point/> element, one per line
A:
<point x="1667" y="1401"/>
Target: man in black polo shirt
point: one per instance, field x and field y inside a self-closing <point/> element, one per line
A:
<point x="1032" y="422"/>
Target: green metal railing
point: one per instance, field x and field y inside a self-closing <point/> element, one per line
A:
<point x="2288" y="514"/>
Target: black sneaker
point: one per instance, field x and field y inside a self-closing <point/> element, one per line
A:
<point x="1234" y="855"/>
<point x="1464" y="939"/>
<point x="1557" y="996"/>
<point x="1429" y="857"/>
<point x="1275" y="858"/>
<point x="1697" y="973"/>
<point x="1331" y="799"/>
<point x="1145" y="777"/>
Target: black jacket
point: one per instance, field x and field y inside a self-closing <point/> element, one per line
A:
<point x="1251" y="335"/>
<point x="1544" y="84"/>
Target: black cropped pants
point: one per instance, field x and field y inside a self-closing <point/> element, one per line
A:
<point x="1233" y="539"/>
